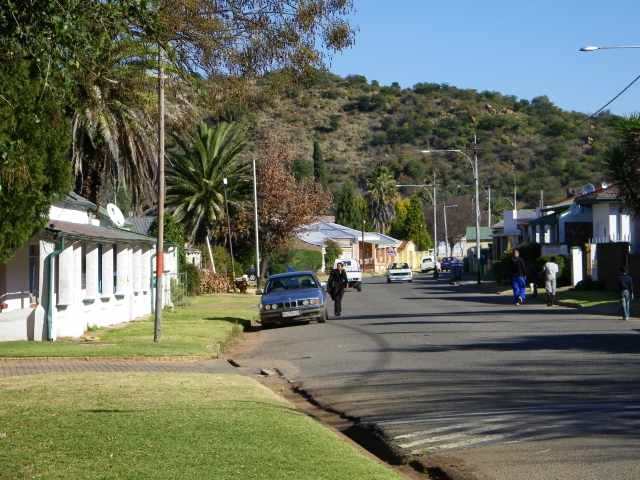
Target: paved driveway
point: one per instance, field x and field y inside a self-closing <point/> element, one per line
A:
<point x="525" y="392"/>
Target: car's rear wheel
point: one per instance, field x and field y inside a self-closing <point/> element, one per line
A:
<point x="323" y="318"/>
<point x="359" y="287"/>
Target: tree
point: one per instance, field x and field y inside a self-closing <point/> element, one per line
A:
<point x="623" y="162"/>
<point x="173" y="233"/>
<point x="382" y="192"/>
<point x="284" y="204"/>
<point x="350" y="206"/>
<point x="195" y="172"/>
<point x="114" y="125"/>
<point x="319" y="167"/>
<point x="41" y="50"/>
<point x="302" y="169"/>
<point x="333" y="252"/>
<point x="415" y="224"/>
<point x="399" y="225"/>
<point x="237" y="38"/>
<point x="34" y="169"/>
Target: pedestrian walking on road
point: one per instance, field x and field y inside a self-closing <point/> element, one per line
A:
<point x="336" y="285"/>
<point x="518" y="278"/>
<point x="625" y="284"/>
<point x="550" y="270"/>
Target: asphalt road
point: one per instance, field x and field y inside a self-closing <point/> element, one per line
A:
<point x="525" y="392"/>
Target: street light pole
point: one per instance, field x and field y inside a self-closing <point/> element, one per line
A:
<point x="474" y="166"/>
<point x="226" y="206"/>
<point x="477" y="182"/>
<point x="435" y="218"/>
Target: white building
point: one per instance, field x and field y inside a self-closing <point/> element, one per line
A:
<point x="79" y="271"/>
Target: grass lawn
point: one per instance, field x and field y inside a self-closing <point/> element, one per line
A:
<point x="588" y="298"/>
<point x="199" y="329"/>
<point x="165" y="426"/>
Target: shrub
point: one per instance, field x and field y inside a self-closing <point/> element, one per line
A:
<point x="333" y="251"/>
<point x="192" y="279"/>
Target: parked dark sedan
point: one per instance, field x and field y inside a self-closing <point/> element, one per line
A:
<point x="293" y="297"/>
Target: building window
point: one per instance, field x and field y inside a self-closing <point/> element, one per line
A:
<point x="99" y="268"/>
<point x="83" y="255"/>
<point x="115" y="268"/>
<point x="34" y="269"/>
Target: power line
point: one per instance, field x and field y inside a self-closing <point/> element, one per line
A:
<point x="601" y="109"/>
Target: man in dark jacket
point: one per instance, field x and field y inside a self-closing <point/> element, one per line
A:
<point x="336" y="285"/>
<point x="625" y="285"/>
<point x="518" y="278"/>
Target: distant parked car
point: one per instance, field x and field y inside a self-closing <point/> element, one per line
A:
<point x="354" y="275"/>
<point x="293" y="297"/>
<point x="399" y="272"/>
<point x="427" y="264"/>
<point x="446" y="263"/>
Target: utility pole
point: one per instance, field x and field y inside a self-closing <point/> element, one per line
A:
<point x="157" y="322"/>
<point x="477" y="181"/>
<point x="362" y="249"/>
<point x="435" y="218"/>
<point x="255" y="210"/>
<point x="226" y="206"/>
<point x="515" y="189"/>
<point x="541" y="199"/>
<point x="489" y="208"/>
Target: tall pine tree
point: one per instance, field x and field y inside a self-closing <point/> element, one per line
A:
<point x="415" y="224"/>
<point x="350" y="206"/>
<point x="319" y="168"/>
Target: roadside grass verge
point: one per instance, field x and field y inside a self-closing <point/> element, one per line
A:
<point x="166" y="426"/>
<point x="200" y="329"/>
<point x="588" y="298"/>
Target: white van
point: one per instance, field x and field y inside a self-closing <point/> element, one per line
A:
<point x="352" y="268"/>
<point x="427" y="264"/>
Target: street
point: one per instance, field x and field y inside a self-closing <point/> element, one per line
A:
<point x="525" y="392"/>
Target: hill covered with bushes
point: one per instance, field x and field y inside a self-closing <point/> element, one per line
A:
<point x="360" y="124"/>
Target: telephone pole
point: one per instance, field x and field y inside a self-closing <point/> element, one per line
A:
<point x="157" y="321"/>
<point x="489" y="207"/>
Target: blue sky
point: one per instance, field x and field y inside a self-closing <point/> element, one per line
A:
<point x="517" y="47"/>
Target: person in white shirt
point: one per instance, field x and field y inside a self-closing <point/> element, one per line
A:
<point x="550" y="270"/>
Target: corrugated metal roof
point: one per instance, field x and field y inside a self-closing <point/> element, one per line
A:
<point x="75" y="201"/>
<point x="140" y="225"/>
<point x="94" y="232"/>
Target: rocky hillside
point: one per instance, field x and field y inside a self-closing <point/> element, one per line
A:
<point x="362" y="124"/>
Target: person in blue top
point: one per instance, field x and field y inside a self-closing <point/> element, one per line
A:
<point x="518" y="278"/>
<point x="625" y="285"/>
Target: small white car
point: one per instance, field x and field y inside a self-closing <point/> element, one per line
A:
<point x="352" y="268"/>
<point x="399" y="272"/>
<point x="427" y="264"/>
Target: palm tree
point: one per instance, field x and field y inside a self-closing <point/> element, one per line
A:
<point x="382" y="192"/>
<point x="114" y="124"/>
<point x="195" y="174"/>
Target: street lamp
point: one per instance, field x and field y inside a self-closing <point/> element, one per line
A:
<point x="594" y="48"/>
<point x="226" y="207"/>
<point x="474" y="167"/>
<point x="446" y="234"/>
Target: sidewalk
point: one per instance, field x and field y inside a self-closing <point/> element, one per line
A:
<point x="36" y="366"/>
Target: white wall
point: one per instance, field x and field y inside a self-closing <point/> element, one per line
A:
<point x="68" y="215"/>
<point x="76" y="308"/>
<point x="610" y="224"/>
